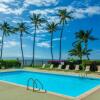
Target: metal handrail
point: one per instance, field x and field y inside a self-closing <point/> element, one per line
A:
<point x="36" y="80"/>
<point x="35" y="83"/>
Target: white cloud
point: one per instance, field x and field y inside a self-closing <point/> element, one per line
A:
<point x="3" y="7"/>
<point x="6" y="1"/>
<point x="85" y="12"/>
<point x="6" y="9"/>
<point x="10" y="44"/>
<point x="43" y="12"/>
<point x="45" y="44"/>
<point x="41" y="2"/>
<point x="56" y="39"/>
<point x="18" y="11"/>
<point x="93" y="10"/>
<point x="78" y="13"/>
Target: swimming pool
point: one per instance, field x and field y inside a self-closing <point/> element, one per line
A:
<point x="62" y="84"/>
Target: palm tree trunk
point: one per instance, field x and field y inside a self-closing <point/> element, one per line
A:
<point x="21" y="44"/>
<point x="86" y="46"/>
<point x="33" y="60"/>
<point x="51" y="46"/>
<point x="2" y="46"/>
<point x="60" y="48"/>
<point x="81" y="58"/>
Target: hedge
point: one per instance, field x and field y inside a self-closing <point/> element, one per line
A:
<point x="10" y="64"/>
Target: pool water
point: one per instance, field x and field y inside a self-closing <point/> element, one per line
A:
<point x="62" y="84"/>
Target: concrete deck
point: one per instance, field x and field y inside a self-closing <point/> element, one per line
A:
<point x="93" y="96"/>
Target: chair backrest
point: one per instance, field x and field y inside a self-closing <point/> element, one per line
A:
<point x="87" y="68"/>
<point x="43" y="66"/>
<point x="98" y="68"/>
<point x="59" y="66"/>
<point x="51" y="66"/>
<point x="67" y="67"/>
<point x="77" y="67"/>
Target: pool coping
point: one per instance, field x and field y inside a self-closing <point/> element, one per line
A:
<point x="83" y="95"/>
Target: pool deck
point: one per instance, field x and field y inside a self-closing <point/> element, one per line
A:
<point x="13" y="92"/>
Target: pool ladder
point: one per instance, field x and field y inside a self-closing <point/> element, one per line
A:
<point x="35" y="82"/>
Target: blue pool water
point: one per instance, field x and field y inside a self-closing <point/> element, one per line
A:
<point x="61" y="84"/>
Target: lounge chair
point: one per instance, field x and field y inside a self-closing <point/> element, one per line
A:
<point x="98" y="68"/>
<point x="60" y="66"/>
<point x="77" y="68"/>
<point x="51" y="66"/>
<point x="43" y="66"/>
<point x="87" y="69"/>
<point x="67" y="67"/>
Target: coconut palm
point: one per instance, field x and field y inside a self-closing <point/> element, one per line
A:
<point x="36" y="20"/>
<point x="77" y="51"/>
<point x="64" y="16"/>
<point x="51" y="28"/>
<point x="21" y="28"/>
<point x="85" y="37"/>
<point x="6" y="29"/>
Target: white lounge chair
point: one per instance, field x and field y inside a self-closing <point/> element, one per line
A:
<point x="43" y="66"/>
<point x="98" y="68"/>
<point x="77" y="68"/>
<point x="87" y="69"/>
<point x="59" y="66"/>
<point x="67" y="67"/>
<point x="51" y="66"/>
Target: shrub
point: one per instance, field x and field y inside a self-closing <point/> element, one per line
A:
<point x="10" y="64"/>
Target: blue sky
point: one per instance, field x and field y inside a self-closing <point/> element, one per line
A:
<point x="86" y="16"/>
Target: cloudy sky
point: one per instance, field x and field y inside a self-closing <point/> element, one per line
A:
<point x="86" y="16"/>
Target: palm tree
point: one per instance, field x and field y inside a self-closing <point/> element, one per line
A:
<point x="21" y="28"/>
<point x="77" y="51"/>
<point x="36" y="20"/>
<point x="51" y="28"/>
<point x="6" y="29"/>
<point x="64" y="15"/>
<point x="85" y="36"/>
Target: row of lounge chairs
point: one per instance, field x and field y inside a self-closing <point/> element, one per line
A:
<point x="87" y="68"/>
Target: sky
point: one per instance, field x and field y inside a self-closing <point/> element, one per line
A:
<point x="86" y="16"/>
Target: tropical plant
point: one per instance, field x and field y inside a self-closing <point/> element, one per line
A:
<point x="77" y="51"/>
<point x="51" y="28"/>
<point x="6" y="29"/>
<point x="85" y="36"/>
<point x="64" y="16"/>
<point x="36" y="20"/>
<point x="21" y="28"/>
